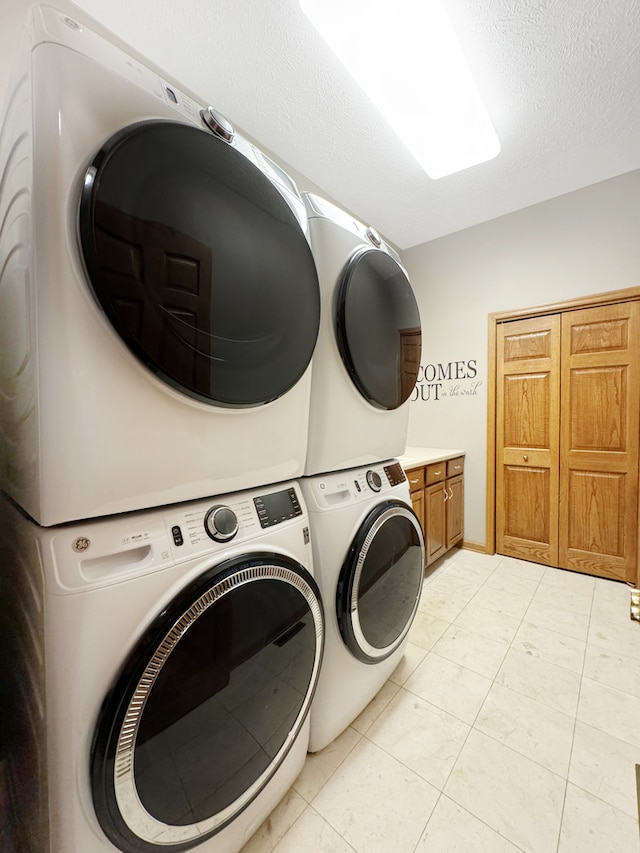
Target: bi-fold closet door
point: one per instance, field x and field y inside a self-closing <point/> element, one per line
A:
<point x="567" y="401"/>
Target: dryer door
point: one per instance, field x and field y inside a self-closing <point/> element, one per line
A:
<point x="380" y="582"/>
<point x="207" y="705"/>
<point x="199" y="263"/>
<point x="378" y="328"/>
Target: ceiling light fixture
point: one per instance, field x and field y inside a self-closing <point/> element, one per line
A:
<point x="406" y="57"/>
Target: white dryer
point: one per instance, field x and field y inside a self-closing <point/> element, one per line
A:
<point x="158" y="669"/>
<point x="367" y="357"/>
<point x="159" y="301"/>
<point x="368" y="552"/>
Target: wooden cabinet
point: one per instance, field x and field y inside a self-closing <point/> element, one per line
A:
<point x="568" y="403"/>
<point x="415" y="476"/>
<point x="437" y="495"/>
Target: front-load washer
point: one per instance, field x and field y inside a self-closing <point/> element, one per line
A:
<point x="159" y="302"/>
<point x="368" y="552"/>
<point x="158" y="668"/>
<point x="367" y="357"/>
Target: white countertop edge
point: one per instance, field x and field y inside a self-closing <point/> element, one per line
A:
<point x="416" y="456"/>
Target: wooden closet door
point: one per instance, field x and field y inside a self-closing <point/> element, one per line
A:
<point x="599" y="440"/>
<point x="528" y="390"/>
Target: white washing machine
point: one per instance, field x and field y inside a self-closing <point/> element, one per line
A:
<point x="366" y="361"/>
<point x="368" y="552"/>
<point x="159" y="301"/>
<point x="158" y="669"/>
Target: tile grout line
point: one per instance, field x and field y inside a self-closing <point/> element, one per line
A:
<point x="575" y="723"/>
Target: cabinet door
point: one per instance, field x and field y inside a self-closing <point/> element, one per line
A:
<point x="528" y="397"/>
<point x="599" y="440"/>
<point x="436" y="521"/>
<point x="417" y="502"/>
<point x="455" y="510"/>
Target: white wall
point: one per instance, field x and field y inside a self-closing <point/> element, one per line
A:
<point x="581" y="243"/>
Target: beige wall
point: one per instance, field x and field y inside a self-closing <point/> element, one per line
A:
<point x="581" y="243"/>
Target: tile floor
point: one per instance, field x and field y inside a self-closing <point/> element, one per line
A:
<point x="512" y="724"/>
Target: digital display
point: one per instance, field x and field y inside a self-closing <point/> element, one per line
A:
<point x="395" y="474"/>
<point x="277" y="507"/>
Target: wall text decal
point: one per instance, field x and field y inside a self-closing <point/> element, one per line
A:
<point x="453" y="379"/>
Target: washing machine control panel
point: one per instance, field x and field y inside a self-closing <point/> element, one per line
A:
<point x="201" y="527"/>
<point x="345" y="487"/>
<point x="277" y="507"/>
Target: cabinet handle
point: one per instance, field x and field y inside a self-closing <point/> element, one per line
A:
<point x="525" y="457"/>
<point x="445" y="495"/>
<point x="456" y="467"/>
<point x="437" y="473"/>
<point x="450" y="494"/>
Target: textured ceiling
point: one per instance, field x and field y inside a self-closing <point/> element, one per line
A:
<point x="561" y="79"/>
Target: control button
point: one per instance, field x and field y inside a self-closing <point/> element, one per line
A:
<point x="221" y="523"/>
<point x="177" y="535"/>
<point x="374" y="480"/>
<point x="357" y="485"/>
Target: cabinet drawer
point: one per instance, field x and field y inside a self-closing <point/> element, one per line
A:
<point x="416" y="479"/>
<point x="436" y="472"/>
<point x="455" y="466"/>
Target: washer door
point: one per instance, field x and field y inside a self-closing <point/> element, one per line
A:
<point x="199" y="263"/>
<point x="380" y="582"/>
<point x="378" y="328"/>
<point x="207" y="705"/>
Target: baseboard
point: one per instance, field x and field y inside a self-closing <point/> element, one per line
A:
<point x="474" y="546"/>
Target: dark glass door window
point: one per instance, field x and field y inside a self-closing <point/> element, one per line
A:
<point x="378" y="328"/>
<point x="205" y="709"/>
<point x="380" y="582"/>
<point x="199" y="264"/>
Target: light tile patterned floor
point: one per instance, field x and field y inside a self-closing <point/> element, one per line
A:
<point x="512" y="725"/>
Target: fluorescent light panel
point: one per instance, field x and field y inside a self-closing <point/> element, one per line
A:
<point x="406" y="57"/>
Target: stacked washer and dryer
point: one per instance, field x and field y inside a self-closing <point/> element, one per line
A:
<point x="159" y="307"/>
<point x="368" y="545"/>
<point x="181" y="489"/>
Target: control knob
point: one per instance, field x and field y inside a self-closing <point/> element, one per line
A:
<point x="373" y="236"/>
<point x="221" y="523"/>
<point x="218" y="124"/>
<point x="374" y="480"/>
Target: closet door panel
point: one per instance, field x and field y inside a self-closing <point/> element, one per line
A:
<point x="527" y="439"/>
<point x="599" y="440"/>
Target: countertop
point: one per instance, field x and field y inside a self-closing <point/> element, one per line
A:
<point x="415" y="456"/>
